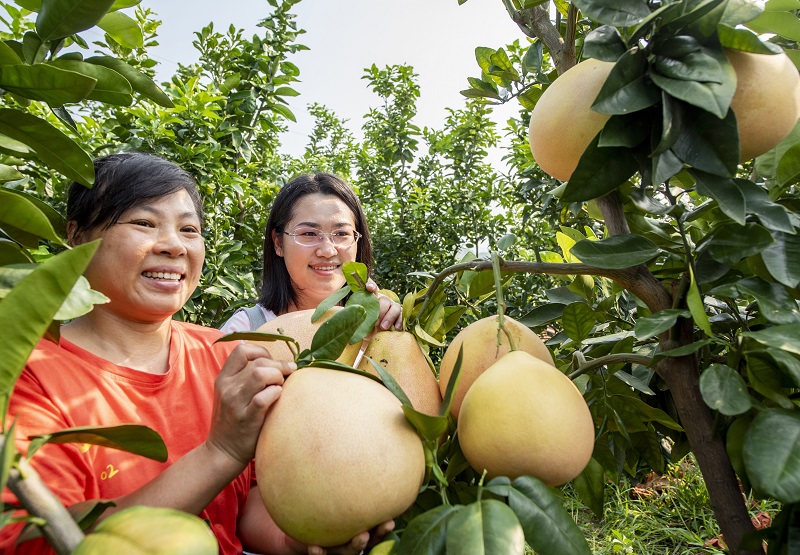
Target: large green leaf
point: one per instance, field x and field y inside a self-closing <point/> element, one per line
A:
<point x="21" y="212"/>
<point x="730" y="198"/>
<point x="425" y="534"/>
<point x="782" y="258"/>
<point x="599" y="171"/>
<point x="783" y="23"/>
<point x="334" y="333"/>
<point x="772" y="215"/>
<point x="745" y="40"/>
<point x="772" y="454"/>
<point x="785" y="337"/>
<point x="372" y="309"/>
<point x="111" y="87"/>
<point x="695" y="66"/>
<point x="618" y="251"/>
<point x="140" y="82"/>
<point x="28" y="309"/>
<point x="578" y="320"/>
<point x="589" y="485"/>
<point x="658" y="322"/>
<point x="548" y="528"/>
<point x="123" y="29"/>
<point x="486" y="526"/>
<point x="619" y="13"/>
<point x="775" y="304"/>
<point x="139" y="440"/>
<point x="53" y="147"/>
<point x="627" y="88"/>
<point x="729" y="243"/>
<point x="62" y="18"/>
<point x="46" y="83"/>
<point x="723" y="389"/>
<point x="604" y="43"/>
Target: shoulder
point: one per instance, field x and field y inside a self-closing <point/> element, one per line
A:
<point x="194" y="336"/>
<point x="247" y="319"/>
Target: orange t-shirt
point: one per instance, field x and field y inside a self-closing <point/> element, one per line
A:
<point x="64" y="386"/>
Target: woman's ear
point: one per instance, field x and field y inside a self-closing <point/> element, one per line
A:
<point x="277" y="243"/>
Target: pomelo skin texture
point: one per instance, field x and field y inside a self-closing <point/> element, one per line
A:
<point x="481" y="351"/>
<point x="524" y="417"/>
<point x="298" y="326"/>
<point x="563" y="122"/>
<point x="336" y="457"/>
<point x="766" y="101"/>
<point x="401" y="355"/>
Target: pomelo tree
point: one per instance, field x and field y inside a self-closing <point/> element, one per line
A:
<point x="682" y="293"/>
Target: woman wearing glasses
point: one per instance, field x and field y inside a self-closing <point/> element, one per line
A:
<point x="316" y="224"/>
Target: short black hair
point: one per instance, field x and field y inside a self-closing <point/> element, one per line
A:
<point x="123" y="181"/>
<point x="277" y="291"/>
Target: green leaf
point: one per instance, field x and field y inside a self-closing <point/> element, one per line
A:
<point x="599" y="171"/>
<point x="730" y="198"/>
<point x="283" y="111"/>
<point x="686" y="350"/>
<point x="772" y="215"/>
<point x="62" y="18"/>
<point x="627" y="88"/>
<point x="712" y="93"/>
<point x="123" y="29"/>
<point x="724" y="390"/>
<point x="619" y="13"/>
<point x="775" y="304"/>
<point x="28" y="309"/>
<point x="140" y="82"/>
<point x="578" y="321"/>
<point x="730" y="242"/>
<point x="334" y="333"/>
<point x="542" y="314"/>
<point x="8" y="454"/>
<point x="616" y="252"/>
<point x="390" y="383"/>
<point x="771" y="448"/>
<point x="111" y="87"/>
<point x="658" y="322"/>
<point x="694" y="300"/>
<point x="356" y="274"/>
<point x="332" y="300"/>
<point x="452" y="383"/>
<point x="785" y="337"/>
<point x="781" y="23"/>
<point x="604" y="43"/>
<point x="21" y="212"/>
<point x="744" y="40"/>
<point x="46" y="83"/>
<point x="782" y="258"/>
<point x="372" y="310"/>
<point x="486" y="526"/>
<point x="139" y="440"/>
<point x="695" y="66"/>
<point x="589" y="485"/>
<point x="53" y="147"/>
<point x="547" y="525"/>
<point x="428" y="426"/>
<point x="426" y="533"/>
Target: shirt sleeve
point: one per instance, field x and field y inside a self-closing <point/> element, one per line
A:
<point x="238" y="322"/>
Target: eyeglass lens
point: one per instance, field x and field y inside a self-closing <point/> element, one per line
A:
<point x="310" y="237"/>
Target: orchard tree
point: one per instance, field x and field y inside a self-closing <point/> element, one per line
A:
<point x="692" y="305"/>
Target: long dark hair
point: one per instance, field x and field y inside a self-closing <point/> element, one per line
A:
<point x="124" y="181"/>
<point x="277" y="291"/>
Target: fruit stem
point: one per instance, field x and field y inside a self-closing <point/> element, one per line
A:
<point x="501" y="303"/>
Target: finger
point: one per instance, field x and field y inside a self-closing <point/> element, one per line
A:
<point x="359" y="542"/>
<point x="241" y="356"/>
<point x="371" y="286"/>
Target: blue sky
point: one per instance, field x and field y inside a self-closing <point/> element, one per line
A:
<point x="437" y="37"/>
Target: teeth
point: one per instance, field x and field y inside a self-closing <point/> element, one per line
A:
<point x="325" y="267"/>
<point x="162" y="275"/>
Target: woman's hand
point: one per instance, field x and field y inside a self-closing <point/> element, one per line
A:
<point x="248" y="384"/>
<point x="391" y="314"/>
<point x="358" y="544"/>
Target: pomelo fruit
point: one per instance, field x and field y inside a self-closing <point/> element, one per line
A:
<point x="299" y="327"/>
<point x="524" y="417"/>
<point x="481" y="350"/>
<point x="563" y="122"/>
<point x="336" y="456"/>
<point x="401" y="355"/>
<point x="766" y="101"/>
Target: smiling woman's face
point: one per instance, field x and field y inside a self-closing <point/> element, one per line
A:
<point x="150" y="261"/>
<point x="316" y="272"/>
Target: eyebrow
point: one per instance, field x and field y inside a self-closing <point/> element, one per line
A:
<point x="149" y="208"/>
<point x="315" y="224"/>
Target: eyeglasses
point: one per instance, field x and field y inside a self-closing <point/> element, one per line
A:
<point x="313" y="237"/>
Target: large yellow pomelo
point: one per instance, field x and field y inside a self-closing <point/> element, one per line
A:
<point x="336" y="457"/>
<point x="401" y="355"/>
<point x="766" y="101"/>
<point x="524" y="417"/>
<point x="563" y="122"/>
<point x="481" y="350"/>
<point x="299" y="327"/>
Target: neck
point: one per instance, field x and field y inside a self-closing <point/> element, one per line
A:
<point x="143" y="346"/>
